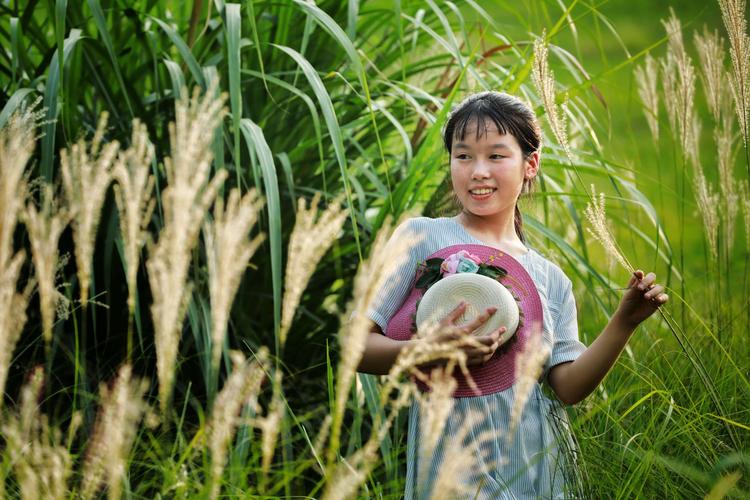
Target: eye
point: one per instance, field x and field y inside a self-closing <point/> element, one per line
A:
<point x="497" y="157"/>
<point x="462" y="156"/>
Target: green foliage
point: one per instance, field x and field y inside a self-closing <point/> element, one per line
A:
<point x="351" y="97"/>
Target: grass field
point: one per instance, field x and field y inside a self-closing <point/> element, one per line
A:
<point x="174" y="322"/>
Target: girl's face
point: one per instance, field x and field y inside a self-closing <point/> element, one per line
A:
<point x="488" y="173"/>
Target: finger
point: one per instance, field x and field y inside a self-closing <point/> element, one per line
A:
<point x="479" y="320"/>
<point x="653" y="292"/>
<point x="647" y="281"/>
<point x="635" y="277"/>
<point x="456" y="313"/>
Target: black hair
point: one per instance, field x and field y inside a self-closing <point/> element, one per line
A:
<point x="509" y="114"/>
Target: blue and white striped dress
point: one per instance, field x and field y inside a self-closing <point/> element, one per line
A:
<point x="539" y="462"/>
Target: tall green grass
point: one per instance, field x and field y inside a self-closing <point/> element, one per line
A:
<point x="349" y="97"/>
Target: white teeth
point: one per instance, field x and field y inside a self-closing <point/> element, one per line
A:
<point x="481" y="191"/>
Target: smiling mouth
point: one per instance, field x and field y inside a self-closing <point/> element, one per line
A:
<point x="482" y="192"/>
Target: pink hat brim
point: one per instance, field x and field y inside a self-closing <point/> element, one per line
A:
<point x="497" y="374"/>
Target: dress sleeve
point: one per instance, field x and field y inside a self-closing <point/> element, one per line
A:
<point x="562" y="304"/>
<point x="396" y="287"/>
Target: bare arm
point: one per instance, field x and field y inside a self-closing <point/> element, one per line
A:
<point x="573" y="381"/>
<point x="380" y="352"/>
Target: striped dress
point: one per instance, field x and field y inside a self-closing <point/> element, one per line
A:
<point x="540" y="461"/>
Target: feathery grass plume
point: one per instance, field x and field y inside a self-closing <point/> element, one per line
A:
<point x="710" y="48"/>
<point x="86" y="176"/>
<point x="370" y="283"/>
<point x="646" y="76"/>
<point x="44" y="229"/>
<point x="597" y="216"/>
<point x="271" y="424"/>
<point x="529" y="364"/>
<point x="733" y="14"/>
<point x="41" y="463"/>
<point x="308" y="243"/>
<point x="228" y="250"/>
<point x="351" y="472"/>
<point x="121" y="408"/>
<point x="435" y="407"/>
<point x="240" y="389"/>
<point x="187" y="198"/>
<point x="466" y="457"/>
<point x="679" y="93"/>
<point x="544" y="81"/>
<point x="17" y="140"/>
<point x="724" y="138"/>
<point x="708" y="203"/>
<point x="133" y="187"/>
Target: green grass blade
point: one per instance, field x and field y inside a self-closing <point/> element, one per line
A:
<point x="101" y="26"/>
<point x="257" y="142"/>
<point x="351" y="18"/>
<point x="233" y="33"/>
<point x="15" y="52"/>
<point x="332" y="28"/>
<point x="286" y="165"/>
<point x="212" y="76"/>
<point x="176" y="77"/>
<point x="329" y="114"/>
<point x="50" y="104"/>
<point x="61" y="7"/>
<point x="187" y="55"/>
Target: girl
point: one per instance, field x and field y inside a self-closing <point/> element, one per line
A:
<point x="493" y="140"/>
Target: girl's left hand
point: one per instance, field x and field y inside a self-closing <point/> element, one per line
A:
<point x="642" y="298"/>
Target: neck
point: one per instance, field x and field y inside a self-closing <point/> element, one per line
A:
<point x="498" y="227"/>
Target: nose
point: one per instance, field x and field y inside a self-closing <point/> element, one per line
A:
<point x="480" y="171"/>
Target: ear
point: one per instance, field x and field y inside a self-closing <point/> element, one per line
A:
<point x="531" y="165"/>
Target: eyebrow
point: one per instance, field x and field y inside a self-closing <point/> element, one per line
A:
<point x="499" y="145"/>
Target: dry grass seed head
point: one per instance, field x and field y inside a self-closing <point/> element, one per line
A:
<point x="724" y="137"/>
<point x="240" y="389"/>
<point x="308" y="243"/>
<point x="133" y="195"/>
<point x="544" y="81"/>
<point x="228" y="251"/>
<point x="44" y="228"/>
<point x="121" y="408"/>
<point x="41" y="463"/>
<point x="710" y="48"/>
<point x="646" y="77"/>
<point x="370" y="284"/>
<point x="733" y="14"/>
<point x="435" y="407"/>
<point x="529" y="364"/>
<point x="466" y="457"/>
<point x="708" y="201"/>
<point x="679" y="89"/>
<point x="596" y="214"/>
<point x="186" y="200"/>
<point x="86" y="174"/>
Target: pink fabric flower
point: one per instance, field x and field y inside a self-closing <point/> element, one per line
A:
<point x="451" y="265"/>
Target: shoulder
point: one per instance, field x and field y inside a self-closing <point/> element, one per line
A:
<point x="558" y="283"/>
<point x="419" y="226"/>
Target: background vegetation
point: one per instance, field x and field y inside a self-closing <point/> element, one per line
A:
<point x="346" y="100"/>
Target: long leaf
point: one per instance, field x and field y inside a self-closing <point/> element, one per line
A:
<point x="233" y="32"/>
<point x="50" y="104"/>
<point x="256" y="142"/>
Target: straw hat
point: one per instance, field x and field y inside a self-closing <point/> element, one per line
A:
<point x="479" y="292"/>
<point x="497" y="374"/>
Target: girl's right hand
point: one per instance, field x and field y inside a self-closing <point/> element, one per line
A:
<point x="477" y="355"/>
